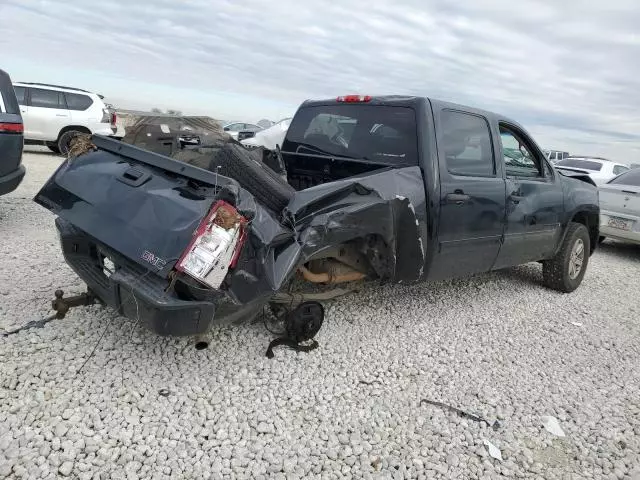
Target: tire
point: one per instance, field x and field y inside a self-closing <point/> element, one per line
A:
<point x="562" y="272"/>
<point x="245" y="166"/>
<point x="54" y="148"/>
<point x="64" y="141"/>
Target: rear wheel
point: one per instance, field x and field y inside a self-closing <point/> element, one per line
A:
<point x="64" y="141"/>
<point x="54" y="148"/>
<point x="565" y="271"/>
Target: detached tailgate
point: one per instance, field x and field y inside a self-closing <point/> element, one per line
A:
<point x="143" y="205"/>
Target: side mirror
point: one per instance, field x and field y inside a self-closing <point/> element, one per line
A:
<point x="226" y="129"/>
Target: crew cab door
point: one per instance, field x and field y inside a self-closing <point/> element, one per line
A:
<point x="47" y="114"/>
<point x="534" y="200"/>
<point x="472" y="194"/>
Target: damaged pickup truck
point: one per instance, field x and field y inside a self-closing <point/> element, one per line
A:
<point x="398" y="189"/>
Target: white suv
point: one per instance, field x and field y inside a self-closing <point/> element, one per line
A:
<point x="53" y="115"/>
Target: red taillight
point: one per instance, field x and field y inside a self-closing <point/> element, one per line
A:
<point x="11" y="128"/>
<point x="215" y="246"/>
<point x="354" y="98"/>
<point x="114" y="118"/>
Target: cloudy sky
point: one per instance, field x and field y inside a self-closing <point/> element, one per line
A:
<point x="569" y="71"/>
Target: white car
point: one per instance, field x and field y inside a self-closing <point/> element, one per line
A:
<point x="235" y="128"/>
<point x="620" y="207"/>
<point x="599" y="169"/>
<point x="53" y="115"/>
<point x="270" y="137"/>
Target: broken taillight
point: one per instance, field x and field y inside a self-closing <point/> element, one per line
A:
<point x="354" y="98"/>
<point x="215" y="246"/>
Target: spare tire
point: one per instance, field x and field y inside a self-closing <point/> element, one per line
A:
<point x="245" y="166"/>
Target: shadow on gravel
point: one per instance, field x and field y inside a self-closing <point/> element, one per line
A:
<point x="529" y="274"/>
<point x="626" y="251"/>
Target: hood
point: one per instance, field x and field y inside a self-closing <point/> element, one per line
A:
<point x="270" y="137"/>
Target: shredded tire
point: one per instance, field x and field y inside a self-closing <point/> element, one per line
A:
<point x="555" y="272"/>
<point x="245" y="166"/>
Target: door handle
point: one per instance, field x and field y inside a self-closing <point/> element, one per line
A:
<point x="516" y="198"/>
<point x="457" y="198"/>
<point x="23" y="111"/>
<point x="134" y="177"/>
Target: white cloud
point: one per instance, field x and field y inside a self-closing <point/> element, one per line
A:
<point x="566" y="70"/>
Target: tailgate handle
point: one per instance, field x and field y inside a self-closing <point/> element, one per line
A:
<point x="134" y="177"/>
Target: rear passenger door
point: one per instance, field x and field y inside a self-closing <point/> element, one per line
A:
<point x="534" y="200"/>
<point x="472" y="195"/>
<point x="48" y="113"/>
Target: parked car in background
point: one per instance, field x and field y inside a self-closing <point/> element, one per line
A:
<point x="53" y="114"/>
<point x="11" y="137"/>
<point x="269" y="138"/>
<point x="620" y="207"/>
<point x="599" y="169"/>
<point x="556" y="155"/>
<point x="234" y="129"/>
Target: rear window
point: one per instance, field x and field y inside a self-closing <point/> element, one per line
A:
<point x="631" y="177"/>
<point x="377" y="133"/>
<point x="76" y="101"/>
<point x="578" y="163"/>
<point x="41" y="97"/>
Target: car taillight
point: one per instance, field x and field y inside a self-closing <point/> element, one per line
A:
<point x="11" y="128"/>
<point x="114" y="119"/>
<point x="354" y="98"/>
<point x="216" y="245"/>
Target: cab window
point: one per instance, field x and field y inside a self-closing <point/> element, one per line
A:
<point x="519" y="159"/>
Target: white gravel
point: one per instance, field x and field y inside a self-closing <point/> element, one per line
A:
<point x="499" y="345"/>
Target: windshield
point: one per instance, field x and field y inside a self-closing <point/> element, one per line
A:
<point x="631" y="177"/>
<point x="580" y="163"/>
<point x="377" y="133"/>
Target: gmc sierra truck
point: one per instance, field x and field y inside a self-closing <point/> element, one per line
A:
<point x="391" y="188"/>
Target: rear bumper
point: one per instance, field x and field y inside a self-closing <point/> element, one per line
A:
<point x="10" y="182"/>
<point x="140" y="295"/>
<point x="632" y="235"/>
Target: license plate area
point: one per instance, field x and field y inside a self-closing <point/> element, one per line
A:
<point x="620" y="223"/>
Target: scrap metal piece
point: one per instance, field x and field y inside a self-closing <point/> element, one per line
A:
<point x="471" y="416"/>
<point x="493" y="450"/>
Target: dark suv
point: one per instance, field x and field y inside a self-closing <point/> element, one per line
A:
<point x="11" y="137"/>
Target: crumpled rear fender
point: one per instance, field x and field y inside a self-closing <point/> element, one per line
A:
<point x="388" y="204"/>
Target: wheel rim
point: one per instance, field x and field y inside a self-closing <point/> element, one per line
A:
<point x="576" y="260"/>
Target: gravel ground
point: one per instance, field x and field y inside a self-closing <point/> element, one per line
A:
<point x="148" y="407"/>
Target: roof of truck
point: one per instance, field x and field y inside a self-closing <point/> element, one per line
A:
<point x="409" y="100"/>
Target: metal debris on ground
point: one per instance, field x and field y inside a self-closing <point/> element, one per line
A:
<point x="552" y="426"/>
<point x="164" y="392"/>
<point x="471" y="416"/>
<point x="32" y="324"/>
<point x="298" y="347"/>
<point x="493" y="450"/>
<point x="576" y="324"/>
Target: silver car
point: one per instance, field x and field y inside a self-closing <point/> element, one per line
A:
<point x="620" y="207"/>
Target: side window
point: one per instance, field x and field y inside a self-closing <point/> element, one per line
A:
<point x="618" y="169"/>
<point x="518" y="157"/>
<point x="466" y="143"/>
<point x="21" y="95"/>
<point x="77" y="101"/>
<point x="46" y="98"/>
